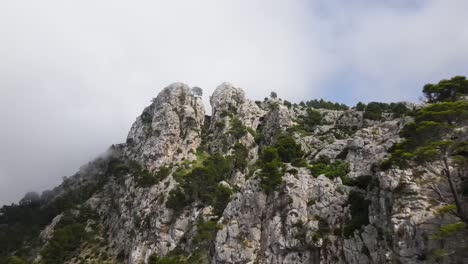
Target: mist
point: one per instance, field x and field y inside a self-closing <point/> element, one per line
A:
<point x="74" y="75"/>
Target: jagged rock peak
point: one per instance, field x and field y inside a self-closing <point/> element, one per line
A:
<point x="231" y="109"/>
<point x="168" y="129"/>
<point x="226" y="97"/>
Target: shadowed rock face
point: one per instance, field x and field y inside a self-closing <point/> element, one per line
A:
<point x="303" y="221"/>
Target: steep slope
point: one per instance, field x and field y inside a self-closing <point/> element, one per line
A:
<point x="255" y="182"/>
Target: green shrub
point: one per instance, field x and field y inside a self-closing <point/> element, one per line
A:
<point x="222" y="197"/>
<point x="359" y="213"/>
<point x="238" y="129"/>
<point x="446" y="90"/>
<point x="225" y="113"/>
<point x="373" y="111"/>
<point x="362" y="182"/>
<point x="448" y="230"/>
<point x="117" y="168"/>
<point x="146" y="179"/>
<point x="15" y="260"/>
<point x="326" y="105"/>
<point x="360" y="106"/>
<point x="271" y="169"/>
<point x="177" y="200"/>
<point x="312" y="119"/>
<point x="399" y="110"/>
<point x="450" y="208"/>
<point x="154" y="259"/>
<point x="338" y="168"/>
<point x="67" y="238"/>
<point x="240" y="156"/>
<point x="220" y="124"/>
<point x="206" y="232"/>
<point x="288" y="149"/>
<point x="201" y="184"/>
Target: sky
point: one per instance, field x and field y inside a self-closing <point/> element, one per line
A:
<point x="74" y="75"/>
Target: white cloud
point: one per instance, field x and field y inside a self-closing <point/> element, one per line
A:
<point x="75" y="74"/>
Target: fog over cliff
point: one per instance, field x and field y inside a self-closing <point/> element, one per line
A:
<point x="74" y="75"/>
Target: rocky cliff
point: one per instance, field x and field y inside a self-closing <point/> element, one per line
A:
<point x="190" y="188"/>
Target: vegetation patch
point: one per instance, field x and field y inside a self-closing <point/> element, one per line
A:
<point x="448" y="230"/>
<point x="310" y="120"/>
<point x="238" y="129"/>
<point x="68" y="236"/>
<point x="359" y="208"/>
<point x="361" y="182"/>
<point x="202" y="184"/>
<point x="288" y="150"/>
<point x="332" y="170"/>
<point x="375" y="110"/>
<point x="271" y="169"/>
<point x="326" y="105"/>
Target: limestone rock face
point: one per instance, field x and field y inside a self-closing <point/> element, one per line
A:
<point x="229" y="105"/>
<point x="168" y="131"/>
<point x="307" y="219"/>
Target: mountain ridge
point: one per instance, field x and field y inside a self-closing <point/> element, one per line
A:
<point x="254" y="182"/>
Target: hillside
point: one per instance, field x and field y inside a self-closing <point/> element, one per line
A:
<point x="262" y="182"/>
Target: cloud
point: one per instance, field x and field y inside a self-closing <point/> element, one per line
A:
<point x="75" y="74"/>
<point x="391" y="51"/>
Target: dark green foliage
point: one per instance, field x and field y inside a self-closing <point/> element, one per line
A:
<point x="117" y="168"/>
<point x="446" y="90"/>
<point x="299" y="163"/>
<point x="288" y="149"/>
<point x="434" y="137"/>
<point x="147" y="179"/>
<point x="337" y="168"/>
<point x="226" y="113"/>
<point x="221" y="199"/>
<point x="67" y="238"/>
<point x="14" y="260"/>
<point x="220" y="124"/>
<point x="206" y="232"/>
<point x="154" y="259"/>
<point x="374" y="111"/>
<point x="202" y="184"/>
<point x="238" y="129"/>
<point x="399" y="110"/>
<point x="287" y="104"/>
<point x="361" y="182"/>
<point x="146" y="117"/>
<point x="448" y="230"/>
<point x="326" y="105"/>
<point x="424" y="139"/>
<point x="312" y="119"/>
<point x="177" y="200"/>
<point x="271" y="173"/>
<point x="273" y="95"/>
<point x="359" y="208"/>
<point x="21" y="224"/>
<point x="240" y="156"/>
<point x="385" y="164"/>
<point x="360" y="106"/>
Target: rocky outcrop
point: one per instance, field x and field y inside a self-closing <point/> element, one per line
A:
<point x="231" y="111"/>
<point x="309" y="218"/>
<point x="168" y="131"/>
